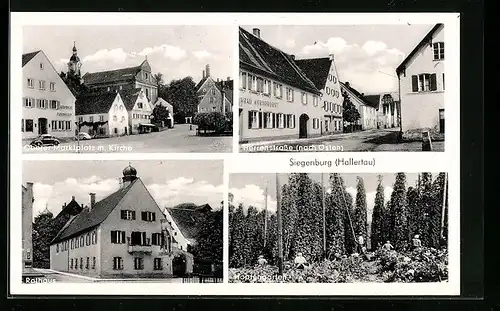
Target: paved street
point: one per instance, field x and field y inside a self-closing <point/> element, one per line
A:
<point x="370" y="140"/>
<point x="176" y="140"/>
<point x="55" y="277"/>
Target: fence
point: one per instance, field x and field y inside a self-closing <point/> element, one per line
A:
<point x="201" y="278"/>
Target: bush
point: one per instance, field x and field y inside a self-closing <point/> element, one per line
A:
<point x="213" y="121"/>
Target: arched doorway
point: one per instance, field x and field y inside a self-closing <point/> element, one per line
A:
<point x="42" y="126"/>
<point x="303" y="125"/>
<point x="179" y="265"/>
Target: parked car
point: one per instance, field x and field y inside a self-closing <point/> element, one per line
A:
<point x="83" y="136"/>
<point x="45" y="139"/>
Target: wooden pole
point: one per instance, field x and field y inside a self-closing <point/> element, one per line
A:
<point x="280" y="225"/>
<point x="443" y="211"/>
<point x="265" y="217"/>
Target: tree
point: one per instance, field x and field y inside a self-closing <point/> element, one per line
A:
<point x="425" y="206"/>
<point x="335" y="217"/>
<point x="398" y="212"/>
<point x="349" y="233"/>
<point x="237" y="232"/>
<point x="360" y="221"/>
<point x="74" y="83"/>
<point x="377" y="237"/>
<point x="158" y="78"/>
<point x="414" y="216"/>
<point x="350" y="113"/>
<point x="181" y="94"/>
<point x="161" y="114"/>
<point x="289" y="216"/>
<point x="436" y="210"/>
<point x="44" y="232"/>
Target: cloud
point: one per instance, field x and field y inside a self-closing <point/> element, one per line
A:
<point x="201" y="55"/>
<point x="167" y="51"/>
<point x="167" y="194"/>
<point x="370" y="67"/>
<point x="117" y="55"/>
<point x="290" y="43"/>
<point x="252" y="195"/>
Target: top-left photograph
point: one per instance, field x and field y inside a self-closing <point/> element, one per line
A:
<point x="127" y="89"/>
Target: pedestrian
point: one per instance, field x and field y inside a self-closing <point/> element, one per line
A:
<point x="261" y="261"/>
<point x="300" y="261"/>
<point x="361" y="244"/>
<point x="387" y="246"/>
<point x="417" y="243"/>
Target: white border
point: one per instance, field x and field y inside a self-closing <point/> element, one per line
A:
<point x="448" y="161"/>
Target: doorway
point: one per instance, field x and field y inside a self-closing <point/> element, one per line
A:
<point x="179" y="265"/>
<point x="42" y="126"/>
<point x="441" y="121"/>
<point x="303" y="120"/>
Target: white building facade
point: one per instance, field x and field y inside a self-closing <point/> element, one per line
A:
<point x="422" y="84"/>
<point x="48" y="104"/>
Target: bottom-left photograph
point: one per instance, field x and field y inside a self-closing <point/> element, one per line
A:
<point x="114" y="221"/>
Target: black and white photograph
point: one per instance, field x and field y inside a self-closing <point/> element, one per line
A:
<point x="129" y="88"/>
<point x="338" y="228"/>
<point x="342" y="88"/>
<point x="119" y="221"/>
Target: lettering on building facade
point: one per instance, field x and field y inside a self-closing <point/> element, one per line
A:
<point x="258" y="102"/>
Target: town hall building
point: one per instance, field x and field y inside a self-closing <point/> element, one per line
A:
<point x="123" y="235"/>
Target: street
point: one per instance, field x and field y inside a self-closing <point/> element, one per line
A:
<point x="51" y="276"/>
<point x="176" y="140"/>
<point x="369" y="140"/>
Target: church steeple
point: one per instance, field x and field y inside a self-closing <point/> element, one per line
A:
<point x="74" y="64"/>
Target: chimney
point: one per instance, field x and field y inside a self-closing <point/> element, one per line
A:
<point x="347" y="84"/>
<point x="256" y="32"/>
<point x="92" y="201"/>
<point x="203" y="74"/>
<point x="223" y="102"/>
<point x="217" y="79"/>
<point x="72" y="198"/>
<point x="207" y="71"/>
<point x="228" y="78"/>
<point x="292" y="56"/>
<point x="331" y="56"/>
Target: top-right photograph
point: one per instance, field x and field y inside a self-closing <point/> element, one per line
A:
<point x="341" y="88"/>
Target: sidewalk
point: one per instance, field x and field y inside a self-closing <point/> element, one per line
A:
<point x="47" y="272"/>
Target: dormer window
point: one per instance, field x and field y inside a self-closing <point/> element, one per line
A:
<point x="438" y="48"/>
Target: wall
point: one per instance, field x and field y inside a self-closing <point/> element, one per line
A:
<point x="61" y="93"/>
<point x="120" y="123"/>
<point x="61" y="260"/>
<point x="138" y="199"/>
<point x="250" y="100"/>
<point x="210" y="98"/>
<point x="420" y="110"/>
<point x="27" y="225"/>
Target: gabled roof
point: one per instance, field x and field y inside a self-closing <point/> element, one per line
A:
<point x="88" y="219"/>
<point x="316" y="69"/>
<point x="71" y="209"/>
<point x="197" y="87"/>
<point x="356" y="93"/>
<point x="260" y="57"/>
<point x="424" y="41"/>
<point x="373" y="100"/>
<point x="227" y="88"/>
<point x="29" y="56"/>
<point x="117" y="75"/>
<point x="129" y="97"/>
<point x="94" y="102"/>
<point x="187" y="216"/>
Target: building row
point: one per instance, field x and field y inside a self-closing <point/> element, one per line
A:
<point x="285" y="97"/>
<point x="126" y="234"/>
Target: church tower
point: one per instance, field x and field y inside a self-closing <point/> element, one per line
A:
<point x="74" y="64"/>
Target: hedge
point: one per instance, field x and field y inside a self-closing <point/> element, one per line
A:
<point x="214" y="121"/>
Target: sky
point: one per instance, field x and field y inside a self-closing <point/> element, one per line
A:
<point x="175" y="51"/>
<point x="366" y="56"/>
<point x="249" y="188"/>
<point x="170" y="181"/>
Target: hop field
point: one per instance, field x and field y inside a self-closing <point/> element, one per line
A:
<point x="420" y="265"/>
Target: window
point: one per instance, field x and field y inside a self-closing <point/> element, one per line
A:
<point x="76" y="263"/>
<point x="57" y="248"/>
<point x="156" y="239"/>
<point x="41" y="66"/>
<point x="116" y="130"/>
<point x="53" y="124"/>
<point x="81" y="262"/>
<point x="267" y="87"/>
<point x="30" y="83"/>
<point x="443" y="81"/>
<point x="41" y="103"/>
<point x="243" y="80"/>
<point x="438" y="50"/>
<point x="82" y="241"/>
<point x="28" y="102"/>
<point x="213" y="91"/>
<point x="157" y="264"/>
<point x="117" y="237"/>
<point x="254" y="83"/>
<point x="101" y="118"/>
<point x="71" y="264"/>
<point x="277" y="90"/>
<point x="41" y="85"/>
<point x="147" y="93"/>
<point x="93" y="262"/>
<point x="87" y="265"/>
<point x="60" y="125"/>
<point x="68" y="125"/>
<point x="117" y="263"/>
<point x="268" y="120"/>
<point x="304" y="98"/>
<point x="253" y="119"/>
<point x="148" y="216"/>
<point x="281" y="120"/>
<point x="123" y="119"/>
<point x="424" y="82"/>
<point x="139" y="105"/>
<point x="315" y="123"/>
<point x="87" y="239"/>
<point x="138" y="263"/>
<point x="53" y="104"/>
<point x="52" y="86"/>
<point x="211" y="100"/>
<point x="289" y="94"/>
<point x="139" y="238"/>
<point x="127" y="214"/>
<point x="315" y="101"/>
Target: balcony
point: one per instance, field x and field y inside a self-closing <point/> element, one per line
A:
<point x="144" y="248"/>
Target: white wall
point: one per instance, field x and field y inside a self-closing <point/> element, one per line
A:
<point x="61" y="93"/>
<point x="118" y="118"/>
<point x="332" y="100"/>
<point x="420" y="110"/>
<point x="138" y="115"/>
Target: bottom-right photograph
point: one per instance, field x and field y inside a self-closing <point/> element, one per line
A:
<point x="338" y="228"/>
